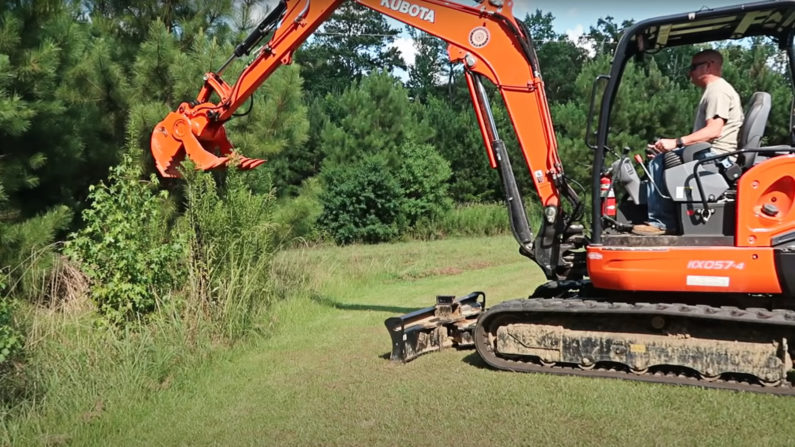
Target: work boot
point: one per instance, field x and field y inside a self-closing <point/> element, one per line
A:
<point x="647" y="230"/>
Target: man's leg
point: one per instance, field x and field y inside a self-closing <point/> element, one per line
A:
<point x="661" y="210"/>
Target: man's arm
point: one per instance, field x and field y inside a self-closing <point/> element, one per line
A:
<point x="707" y="133"/>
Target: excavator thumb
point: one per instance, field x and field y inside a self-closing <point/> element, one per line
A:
<point x="450" y="323"/>
<point x="178" y="136"/>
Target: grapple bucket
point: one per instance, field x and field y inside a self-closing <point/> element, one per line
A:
<point x="178" y="136"/>
<point x="450" y="323"/>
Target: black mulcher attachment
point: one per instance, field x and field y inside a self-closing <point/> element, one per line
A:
<point x="451" y="322"/>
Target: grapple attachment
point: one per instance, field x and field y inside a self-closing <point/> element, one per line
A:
<point x="450" y="323"/>
<point x="203" y="142"/>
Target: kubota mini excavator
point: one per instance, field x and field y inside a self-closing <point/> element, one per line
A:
<point x="710" y="306"/>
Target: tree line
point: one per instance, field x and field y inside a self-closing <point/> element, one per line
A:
<point x="354" y="151"/>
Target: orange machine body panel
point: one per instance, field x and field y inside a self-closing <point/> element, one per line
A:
<point x="766" y="202"/>
<point x="683" y="269"/>
<point x="765" y="210"/>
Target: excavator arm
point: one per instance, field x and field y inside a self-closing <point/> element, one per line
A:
<point x="486" y="39"/>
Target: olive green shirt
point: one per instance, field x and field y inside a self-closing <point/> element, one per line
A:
<point x="720" y="100"/>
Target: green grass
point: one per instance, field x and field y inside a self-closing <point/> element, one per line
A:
<point x="321" y="377"/>
<point x="474" y="220"/>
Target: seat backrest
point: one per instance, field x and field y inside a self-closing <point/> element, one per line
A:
<point x="753" y="127"/>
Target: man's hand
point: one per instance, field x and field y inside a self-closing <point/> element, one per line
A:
<point x="665" y="144"/>
<point x="660" y="146"/>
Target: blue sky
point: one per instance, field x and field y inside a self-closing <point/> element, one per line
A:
<point x="572" y="16"/>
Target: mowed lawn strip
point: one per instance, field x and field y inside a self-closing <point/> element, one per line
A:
<point x="321" y="378"/>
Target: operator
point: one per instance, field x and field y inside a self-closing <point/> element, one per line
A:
<point x="719" y="117"/>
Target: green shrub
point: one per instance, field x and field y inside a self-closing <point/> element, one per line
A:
<point x="372" y="201"/>
<point x="361" y="202"/>
<point x="11" y="351"/>
<point x="10" y="337"/>
<point x="423" y="175"/>
<point x="124" y="246"/>
<point x="296" y="218"/>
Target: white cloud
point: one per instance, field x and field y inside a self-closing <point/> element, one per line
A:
<point x="406" y="46"/>
<point x="574" y="34"/>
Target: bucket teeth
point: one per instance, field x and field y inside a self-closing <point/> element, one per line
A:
<point x="173" y="139"/>
<point x="249" y="163"/>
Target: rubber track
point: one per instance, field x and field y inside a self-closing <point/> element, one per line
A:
<point x="575" y="306"/>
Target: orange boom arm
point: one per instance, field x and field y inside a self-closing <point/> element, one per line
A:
<point x="486" y="39"/>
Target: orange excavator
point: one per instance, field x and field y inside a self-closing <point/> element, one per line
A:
<point x="710" y="306"/>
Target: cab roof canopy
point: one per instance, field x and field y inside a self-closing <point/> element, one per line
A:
<point x="775" y="19"/>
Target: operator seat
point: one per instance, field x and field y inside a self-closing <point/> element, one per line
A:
<point x="680" y="178"/>
<point x="750" y="133"/>
<point x="753" y="127"/>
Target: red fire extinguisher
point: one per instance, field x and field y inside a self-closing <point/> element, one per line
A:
<point x="608" y="197"/>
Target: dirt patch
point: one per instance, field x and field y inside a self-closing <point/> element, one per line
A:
<point x="446" y="271"/>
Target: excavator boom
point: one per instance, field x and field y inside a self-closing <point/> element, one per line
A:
<point x="490" y="43"/>
<point x="488" y="40"/>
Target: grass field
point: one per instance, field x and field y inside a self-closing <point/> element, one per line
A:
<point x="321" y="377"/>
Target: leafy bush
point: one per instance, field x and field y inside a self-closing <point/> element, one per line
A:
<point x="423" y="175"/>
<point x="361" y="201"/>
<point x="371" y="201"/>
<point x="11" y="348"/>
<point x="296" y="218"/>
<point x="10" y="337"/>
<point x="124" y="246"/>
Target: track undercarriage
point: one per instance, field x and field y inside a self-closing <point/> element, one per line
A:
<point x="739" y="348"/>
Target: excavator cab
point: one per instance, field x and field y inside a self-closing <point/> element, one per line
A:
<point x="724" y="203"/>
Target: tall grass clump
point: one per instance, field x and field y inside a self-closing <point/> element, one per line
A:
<point x="230" y="250"/>
<point x="473" y="220"/>
<point x="139" y="328"/>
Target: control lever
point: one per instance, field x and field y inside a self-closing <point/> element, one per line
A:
<point x="639" y="159"/>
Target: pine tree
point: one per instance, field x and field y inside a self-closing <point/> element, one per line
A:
<point x="457" y="138"/>
<point x="603" y="38"/>
<point x="380" y="179"/>
<point x="301" y="161"/>
<point x="760" y="66"/>
<point x="430" y="67"/>
<point x="373" y="116"/>
<point x="59" y="115"/>
<point x="560" y="59"/>
<point x="355" y="41"/>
